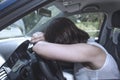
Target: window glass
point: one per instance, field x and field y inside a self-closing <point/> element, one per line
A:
<point x="35" y="19"/>
<point x="89" y="22"/>
<point x="26" y="24"/>
<point x="116" y="33"/>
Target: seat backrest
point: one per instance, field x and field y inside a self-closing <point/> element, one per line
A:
<point x="118" y="47"/>
<point x="113" y="43"/>
<point x="118" y="51"/>
<point x="116" y="36"/>
<point x="116" y="42"/>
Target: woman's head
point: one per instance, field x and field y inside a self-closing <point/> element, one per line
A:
<point x="62" y="30"/>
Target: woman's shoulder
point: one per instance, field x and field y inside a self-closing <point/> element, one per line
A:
<point x="94" y="43"/>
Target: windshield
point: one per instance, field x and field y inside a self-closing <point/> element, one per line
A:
<point x="30" y="22"/>
<point x="37" y="21"/>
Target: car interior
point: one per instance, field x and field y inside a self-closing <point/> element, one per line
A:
<point x="19" y="19"/>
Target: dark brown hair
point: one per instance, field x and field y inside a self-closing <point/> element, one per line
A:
<point x="62" y="30"/>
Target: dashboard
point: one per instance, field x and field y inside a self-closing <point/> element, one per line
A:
<point x="19" y="65"/>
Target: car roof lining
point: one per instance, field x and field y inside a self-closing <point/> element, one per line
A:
<point x="70" y="7"/>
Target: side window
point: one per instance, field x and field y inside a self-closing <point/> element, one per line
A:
<point x="14" y="30"/>
<point x="89" y="22"/>
<point x="116" y="33"/>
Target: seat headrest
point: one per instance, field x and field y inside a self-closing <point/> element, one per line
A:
<point x="116" y="19"/>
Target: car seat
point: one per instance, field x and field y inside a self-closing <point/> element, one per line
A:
<point x="113" y="42"/>
<point x="116" y="25"/>
<point x="116" y="47"/>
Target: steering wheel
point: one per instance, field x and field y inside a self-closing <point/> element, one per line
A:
<point x="26" y="65"/>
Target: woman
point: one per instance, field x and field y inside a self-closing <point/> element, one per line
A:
<point x="64" y="41"/>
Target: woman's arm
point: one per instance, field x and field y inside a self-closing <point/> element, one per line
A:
<point x="81" y="52"/>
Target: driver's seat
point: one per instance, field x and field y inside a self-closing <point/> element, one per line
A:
<point x="116" y="36"/>
<point x="113" y="43"/>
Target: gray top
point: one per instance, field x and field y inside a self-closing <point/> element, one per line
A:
<point x="108" y="71"/>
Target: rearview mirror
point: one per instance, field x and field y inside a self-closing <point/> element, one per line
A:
<point x="44" y="12"/>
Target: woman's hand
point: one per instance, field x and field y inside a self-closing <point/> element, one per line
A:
<point x="37" y="36"/>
